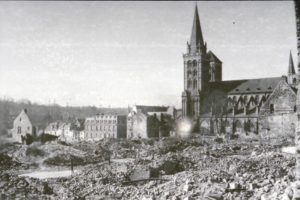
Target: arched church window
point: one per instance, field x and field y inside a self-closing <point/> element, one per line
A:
<point x="194" y="63"/>
<point x="240" y="103"/>
<point x="271" y="108"/>
<point x="229" y="101"/>
<point x="256" y="99"/>
<point x="245" y="100"/>
<point x="253" y="103"/>
<point x="189" y="73"/>
<point x="294" y="80"/>
<point x="234" y="99"/>
<point x="195" y="84"/>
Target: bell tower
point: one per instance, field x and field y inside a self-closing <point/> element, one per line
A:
<point x="196" y="71"/>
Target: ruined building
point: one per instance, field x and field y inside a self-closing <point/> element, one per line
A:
<point x="261" y="105"/>
<point x="150" y="121"/>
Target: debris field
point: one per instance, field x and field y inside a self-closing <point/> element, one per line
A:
<point x="168" y="168"/>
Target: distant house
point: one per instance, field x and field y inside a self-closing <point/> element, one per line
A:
<point x="53" y="128"/>
<point x="66" y="131"/>
<point x="105" y="126"/>
<point x="78" y="129"/>
<point x="21" y="127"/>
<point x="150" y="121"/>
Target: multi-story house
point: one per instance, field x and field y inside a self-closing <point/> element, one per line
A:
<point x="105" y="126"/>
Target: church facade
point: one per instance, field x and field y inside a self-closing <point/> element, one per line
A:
<point x="265" y="105"/>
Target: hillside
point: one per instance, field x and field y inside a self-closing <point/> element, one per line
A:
<point x="41" y="115"/>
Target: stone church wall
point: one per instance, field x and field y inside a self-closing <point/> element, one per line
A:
<point x="278" y="116"/>
<point x="278" y="125"/>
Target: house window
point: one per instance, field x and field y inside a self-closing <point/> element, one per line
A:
<point x="271" y="108"/>
<point x="20" y="118"/>
<point x="19" y="129"/>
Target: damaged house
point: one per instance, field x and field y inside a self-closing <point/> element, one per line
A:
<point x="150" y="121"/>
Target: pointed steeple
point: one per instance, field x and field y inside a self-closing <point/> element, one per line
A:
<point x="196" y="41"/>
<point x="291" y="65"/>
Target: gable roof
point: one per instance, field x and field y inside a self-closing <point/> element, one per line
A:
<point x="246" y="86"/>
<point x="282" y="85"/>
<point x="23" y="114"/>
<point x="212" y="57"/>
<point x="151" y="108"/>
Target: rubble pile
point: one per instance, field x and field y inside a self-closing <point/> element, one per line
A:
<point x="6" y="162"/>
<point x="14" y="187"/>
<point x="156" y="169"/>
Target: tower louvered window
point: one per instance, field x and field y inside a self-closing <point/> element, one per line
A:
<point x="189" y="65"/>
<point x="195" y="73"/>
<point x="189" y="83"/>
<point x="194" y="63"/>
<point x="195" y="84"/>
<point x="189" y="74"/>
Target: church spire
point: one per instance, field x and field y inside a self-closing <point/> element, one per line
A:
<point x="291" y="65"/>
<point x="196" y="42"/>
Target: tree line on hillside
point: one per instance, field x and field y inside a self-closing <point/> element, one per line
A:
<point x="42" y="115"/>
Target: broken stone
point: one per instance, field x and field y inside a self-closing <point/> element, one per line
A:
<point x="264" y="197"/>
<point x="252" y="186"/>
<point x="187" y="187"/>
<point x="175" y="198"/>
<point x="285" y="197"/>
<point x="188" y="198"/>
<point x="234" y="186"/>
<point x="139" y="174"/>
<point x="289" y="192"/>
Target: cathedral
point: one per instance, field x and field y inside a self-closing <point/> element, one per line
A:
<point x="249" y="106"/>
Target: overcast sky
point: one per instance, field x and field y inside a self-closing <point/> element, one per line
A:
<point x="120" y="53"/>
